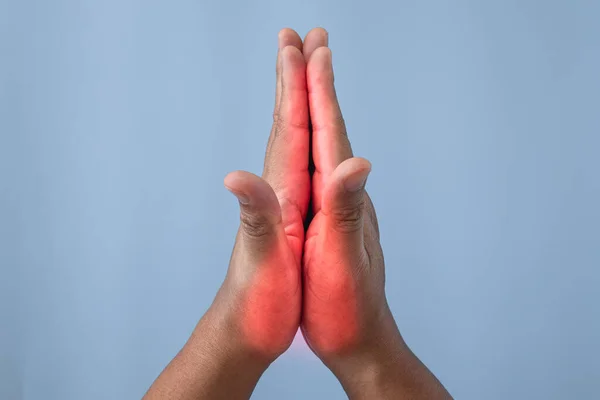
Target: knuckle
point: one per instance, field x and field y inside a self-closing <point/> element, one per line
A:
<point x="282" y="124"/>
<point x="255" y="226"/>
<point x="336" y="124"/>
<point x="278" y="124"/>
<point x="276" y="116"/>
<point x="349" y="219"/>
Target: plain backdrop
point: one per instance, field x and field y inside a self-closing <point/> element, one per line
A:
<point x="119" y="120"/>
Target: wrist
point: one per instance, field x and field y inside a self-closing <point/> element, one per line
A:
<point x="207" y="365"/>
<point x="386" y="368"/>
<point x="381" y="350"/>
<point x="218" y="341"/>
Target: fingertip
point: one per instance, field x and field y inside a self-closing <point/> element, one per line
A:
<point x="291" y="53"/>
<point x="289" y="37"/>
<point x="234" y="183"/>
<point x="253" y="188"/>
<point x="294" y="68"/>
<point x="315" y="38"/>
<point x="317" y="33"/>
<point x="352" y="173"/>
<point x="232" y="179"/>
<point x="244" y="182"/>
<point x="360" y="163"/>
<point x="321" y="54"/>
<point x="354" y="164"/>
<point x="356" y="181"/>
<point x="319" y="68"/>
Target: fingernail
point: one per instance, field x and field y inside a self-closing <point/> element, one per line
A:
<point x="356" y="182"/>
<point x="326" y="37"/>
<point x="243" y="199"/>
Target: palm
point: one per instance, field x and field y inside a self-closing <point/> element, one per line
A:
<point x="328" y="323"/>
<point x="272" y="322"/>
<point x="331" y="295"/>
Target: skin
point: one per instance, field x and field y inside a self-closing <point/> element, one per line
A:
<point x="328" y="278"/>
<point x="345" y="318"/>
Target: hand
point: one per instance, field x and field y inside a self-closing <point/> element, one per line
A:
<point x="337" y="294"/>
<point x="262" y="292"/>
<point x="344" y="300"/>
<point x="346" y="320"/>
<point x="256" y="312"/>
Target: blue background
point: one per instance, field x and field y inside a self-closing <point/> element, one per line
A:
<point x="119" y="120"/>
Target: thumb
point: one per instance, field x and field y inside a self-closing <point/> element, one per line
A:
<point x="260" y="213"/>
<point x="344" y="201"/>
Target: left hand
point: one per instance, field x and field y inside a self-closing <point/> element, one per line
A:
<point x="343" y="294"/>
<point x="346" y="319"/>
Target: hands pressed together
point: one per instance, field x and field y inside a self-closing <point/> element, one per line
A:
<point x="307" y="255"/>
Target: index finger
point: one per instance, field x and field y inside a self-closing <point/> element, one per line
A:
<point x="286" y="37"/>
<point x="287" y="150"/>
<point x="287" y="155"/>
<point x="330" y="138"/>
<point x="330" y="144"/>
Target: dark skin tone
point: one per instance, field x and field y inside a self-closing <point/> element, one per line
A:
<point x="307" y="255"/>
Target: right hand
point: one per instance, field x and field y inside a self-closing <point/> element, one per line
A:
<point x="261" y="296"/>
<point x="256" y="312"/>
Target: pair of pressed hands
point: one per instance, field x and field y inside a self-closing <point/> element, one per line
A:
<point x="327" y="279"/>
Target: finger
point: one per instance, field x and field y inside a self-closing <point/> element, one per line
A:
<point x="317" y="37"/>
<point x="287" y="151"/>
<point x="330" y="138"/>
<point x="330" y="145"/>
<point x="260" y="214"/>
<point x="286" y="37"/>
<point x="344" y="201"/>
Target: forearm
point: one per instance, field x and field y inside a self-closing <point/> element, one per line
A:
<point x="211" y="365"/>
<point x="387" y="369"/>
